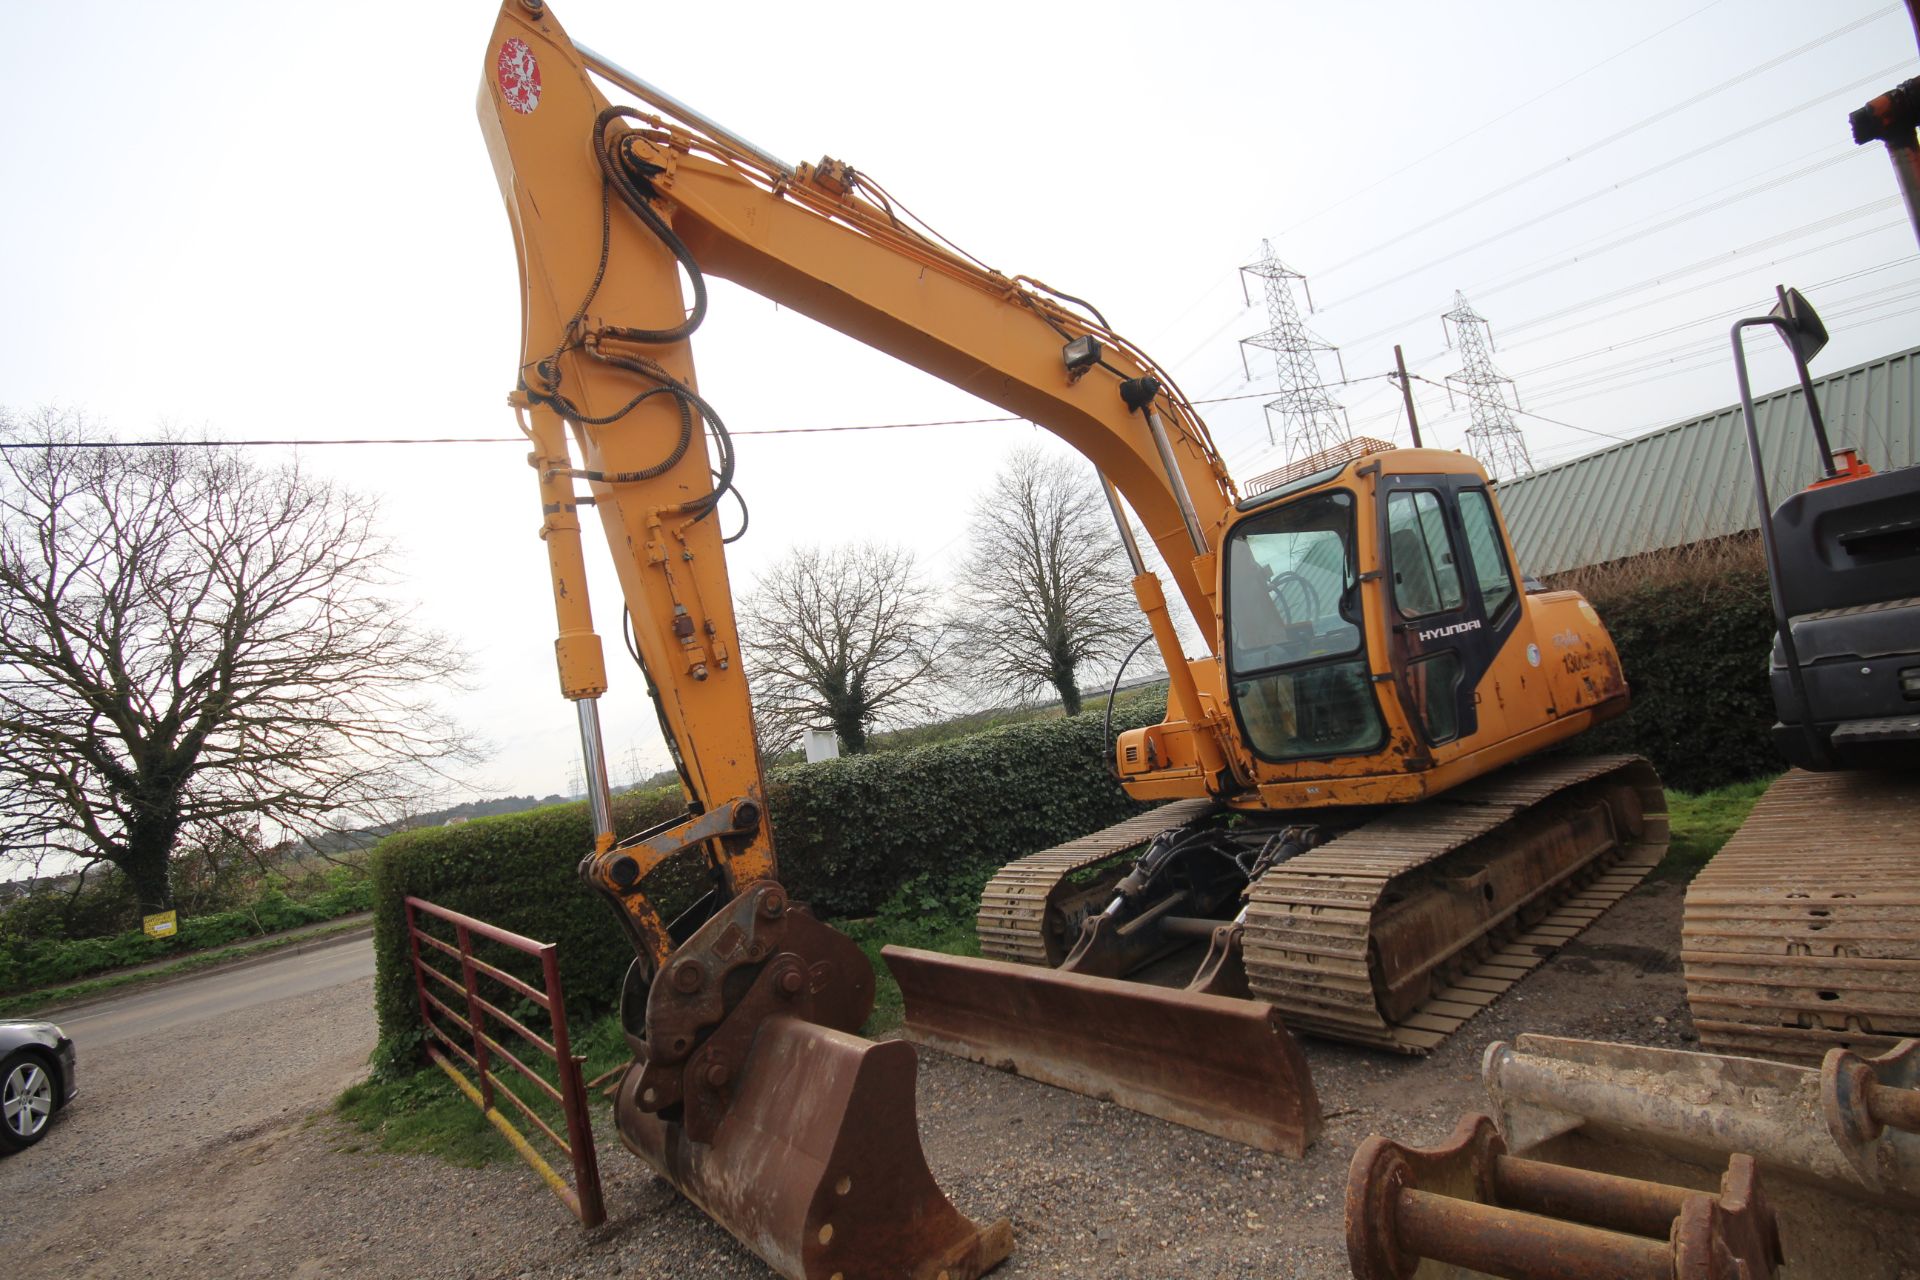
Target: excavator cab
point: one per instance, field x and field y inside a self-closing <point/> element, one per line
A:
<point x="1375" y="645"/>
<point x="1299" y="670"/>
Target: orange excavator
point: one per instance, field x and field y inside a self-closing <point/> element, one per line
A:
<point x="1352" y="839"/>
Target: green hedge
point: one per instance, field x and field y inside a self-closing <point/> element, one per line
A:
<point x="1694" y="628"/>
<point x="931" y="823"/>
<point x="517" y="871"/>
<point x="26" y="964"/>
<point x="941" y="819"/>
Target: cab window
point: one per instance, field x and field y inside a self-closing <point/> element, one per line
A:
<point x="1297" y="669"/>
<point x="1483" y="550"/>
<point x="1425" y="578"/>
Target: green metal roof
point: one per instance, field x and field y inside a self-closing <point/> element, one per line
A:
<point x="1690" y="481"/>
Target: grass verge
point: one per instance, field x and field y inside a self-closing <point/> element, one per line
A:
<point x="423" y="1114"/>
<point x="28" y="1002"/>
<point x="1703" y="821"/>
<point x="952" y="934"/>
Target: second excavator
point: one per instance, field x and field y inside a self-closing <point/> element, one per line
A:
<point x="1354" y="837"/>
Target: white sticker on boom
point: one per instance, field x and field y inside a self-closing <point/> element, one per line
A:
<point x="519" y="77"/>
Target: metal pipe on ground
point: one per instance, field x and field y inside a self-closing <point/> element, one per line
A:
<point x="1465" y="1203"/>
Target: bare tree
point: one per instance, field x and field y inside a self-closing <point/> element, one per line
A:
<point x="191" y="644"/>
<point x="847" y="637"/>
<point x="1044" y="589"/>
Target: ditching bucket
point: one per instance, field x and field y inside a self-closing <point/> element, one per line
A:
<point x="817" y="1165"/>
<point x="1223" y="1066"/>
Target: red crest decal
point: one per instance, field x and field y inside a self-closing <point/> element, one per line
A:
<point x="519" y="76"/>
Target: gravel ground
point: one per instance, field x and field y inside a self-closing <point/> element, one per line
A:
<point x="219" y="1148"/>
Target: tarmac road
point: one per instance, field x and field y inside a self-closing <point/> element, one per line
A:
<point x="178" y="1005"/>
<point x="173" y="1079"/>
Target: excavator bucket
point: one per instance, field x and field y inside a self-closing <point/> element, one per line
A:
<point x="1224" y="1066"/>
<point x="817" y="1166"/>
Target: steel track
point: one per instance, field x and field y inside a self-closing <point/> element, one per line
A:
<point x="1803" y="933"/>
<point x="1315" y="924"/>
<point x="1012" y="923"/>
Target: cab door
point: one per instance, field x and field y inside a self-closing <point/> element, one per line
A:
<point x="1439" y="632"/>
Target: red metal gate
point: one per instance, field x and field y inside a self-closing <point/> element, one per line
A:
<point x="476" y="1046"/>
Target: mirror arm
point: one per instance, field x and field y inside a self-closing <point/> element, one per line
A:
<point x="1827" y="470"/>
<point x="1783" y="622"/>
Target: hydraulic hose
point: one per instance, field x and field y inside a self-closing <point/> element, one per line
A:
<point x="618" y="176"/>
<point x="1106" y="723"/>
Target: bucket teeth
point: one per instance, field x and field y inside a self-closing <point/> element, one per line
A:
<point x="817" y="1165"/>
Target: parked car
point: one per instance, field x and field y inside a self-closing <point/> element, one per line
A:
<point x="36" y="1080"/>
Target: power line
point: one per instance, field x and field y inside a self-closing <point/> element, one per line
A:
<point x="252" y="444"/>
<point x="521" y="440"/>
<point x="301" y="444"/>
<point x="1642" y="376"/>
<point x="1530" y="270"/>
<point x="1743" y="274"/>
<point x="1837" y="156"/>
<point x="1659" y="117"/>
<point x="1702" y="264"/>
<point x="1810" y="228"/>
<point x="1716" y="341"/>
<point x="1528" y="413"/>
<point x="1584" y="386"/>
<point x="1586" y="200"/>
<point x="1511" y="111"/>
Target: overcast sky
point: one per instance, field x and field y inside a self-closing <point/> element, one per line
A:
<point x="253" y="220"/>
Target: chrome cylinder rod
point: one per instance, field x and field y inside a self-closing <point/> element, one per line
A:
<point x="1124" y="525"/>
<point x="611" y="71"/>
<point x="594" y="753"/>
<point x="1158" y="430"/>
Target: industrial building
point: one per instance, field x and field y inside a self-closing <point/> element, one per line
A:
<point x="1690" y="482"/>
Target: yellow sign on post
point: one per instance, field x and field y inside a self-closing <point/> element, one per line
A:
<point x="162" y="925"/>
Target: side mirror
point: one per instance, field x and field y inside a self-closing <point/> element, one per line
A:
<point x="1804" y="331"/>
